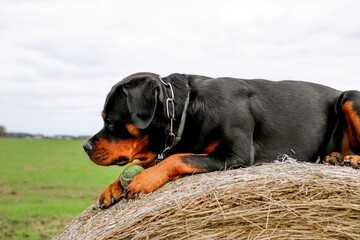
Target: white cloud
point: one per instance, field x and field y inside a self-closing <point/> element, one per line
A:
<point x="63" y="56"/>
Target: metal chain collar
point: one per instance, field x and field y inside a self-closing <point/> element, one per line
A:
<point x="172" y="139"/>
<point x="170" y="111"/>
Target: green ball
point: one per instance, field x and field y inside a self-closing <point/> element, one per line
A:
<point x="129" y="173"/>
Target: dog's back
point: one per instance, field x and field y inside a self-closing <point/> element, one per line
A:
<point x="286" y="117"/>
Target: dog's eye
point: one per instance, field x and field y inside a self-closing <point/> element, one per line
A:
<point x="109" y="124"/>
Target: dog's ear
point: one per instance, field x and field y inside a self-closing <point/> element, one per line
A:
<point x="141" y="95"/>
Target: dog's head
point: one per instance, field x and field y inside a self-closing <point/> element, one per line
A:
<point x="129" y="109"/>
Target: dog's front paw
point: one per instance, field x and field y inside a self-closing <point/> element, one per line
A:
<point x="146" y="181"/>
<point x="111" y="194"/>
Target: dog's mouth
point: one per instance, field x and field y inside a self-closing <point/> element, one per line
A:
<point x="144" y="162"/>
<point x="139" y="161"/>
<point x="121" y="161"/>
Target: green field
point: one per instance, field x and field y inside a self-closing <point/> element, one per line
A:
<point x="44" y="184"/>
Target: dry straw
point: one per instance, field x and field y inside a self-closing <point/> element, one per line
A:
<point x="272" y="201"/>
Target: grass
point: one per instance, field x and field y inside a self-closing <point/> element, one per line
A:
<point x="44" y="184"/>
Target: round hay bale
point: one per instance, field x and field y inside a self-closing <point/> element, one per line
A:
<point x="272" y="201"/>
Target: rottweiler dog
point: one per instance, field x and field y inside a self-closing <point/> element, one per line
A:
<point x="186" y="124"/>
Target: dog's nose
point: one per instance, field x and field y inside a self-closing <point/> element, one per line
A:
<point x="87" y="147"/>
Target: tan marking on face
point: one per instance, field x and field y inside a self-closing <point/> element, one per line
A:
<point x="103" y="115"/>
<point x="133" y="130"/>
<point x="107" y="152"/>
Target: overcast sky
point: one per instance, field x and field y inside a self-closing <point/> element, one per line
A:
<point x="59" y="59"/>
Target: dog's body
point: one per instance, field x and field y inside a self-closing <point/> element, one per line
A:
<point x="223" y="123"/>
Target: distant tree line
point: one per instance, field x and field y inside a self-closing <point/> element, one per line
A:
<point x="4" y="133"/>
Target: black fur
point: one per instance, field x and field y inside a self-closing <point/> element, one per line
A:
<point x="253" y="121"/>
